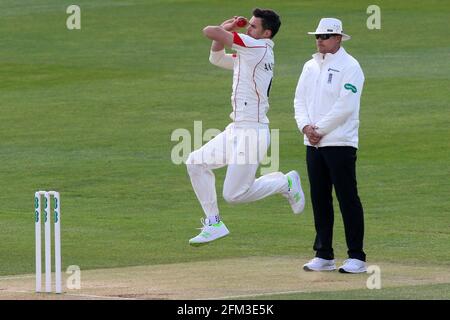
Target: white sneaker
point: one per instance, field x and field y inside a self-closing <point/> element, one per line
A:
<point x="210" y="232"/>
<point x="319" y="264"/>
<point x="353" y="266"/>
<point x="295" y="194"/>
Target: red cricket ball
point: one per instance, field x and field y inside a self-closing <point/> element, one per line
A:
<point x="241" y="22"/>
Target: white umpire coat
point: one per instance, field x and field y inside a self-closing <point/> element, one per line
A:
<point x="328" y="97"/>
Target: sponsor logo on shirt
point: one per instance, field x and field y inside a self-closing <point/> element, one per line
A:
<point x="350" y="87"/>
<point x="330" y="77"/>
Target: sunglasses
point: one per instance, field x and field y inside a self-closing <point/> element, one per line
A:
<point x="324" y="36"/>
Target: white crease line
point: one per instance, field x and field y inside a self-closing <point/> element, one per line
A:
<point x="67" y="294"/>
<point x="99" y="297"/>
<point x="254" y="295"/>
<point x="16" y="277"/>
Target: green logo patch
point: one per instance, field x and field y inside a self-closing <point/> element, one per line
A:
<point x="351" y="87"/>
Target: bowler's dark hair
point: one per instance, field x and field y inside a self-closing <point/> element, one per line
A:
<point x="270" y="19"/>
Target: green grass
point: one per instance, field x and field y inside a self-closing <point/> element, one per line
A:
<point x="90" y="113"/>
<point x="421" y="292"/>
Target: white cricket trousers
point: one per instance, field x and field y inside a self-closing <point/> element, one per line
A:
<point x="242" y="146"/>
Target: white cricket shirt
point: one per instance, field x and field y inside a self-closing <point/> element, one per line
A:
<point x="252" y="66"/>
<point x="252" y="78"/>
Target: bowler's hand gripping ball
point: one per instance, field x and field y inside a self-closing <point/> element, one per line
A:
<point x="241" y="22"/>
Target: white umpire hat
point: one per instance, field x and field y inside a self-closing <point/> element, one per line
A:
<point x="331" y="26"/>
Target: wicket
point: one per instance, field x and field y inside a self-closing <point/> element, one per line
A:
<point x="47" y="248"/>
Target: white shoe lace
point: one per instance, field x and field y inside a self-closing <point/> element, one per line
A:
<point x="313" y="260"/>
<point x="316" y="259"/>
<point x="205" y="223"/>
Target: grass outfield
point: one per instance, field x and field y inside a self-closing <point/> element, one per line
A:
<point x="90" y="113"/>
<point x="429" y="292"/>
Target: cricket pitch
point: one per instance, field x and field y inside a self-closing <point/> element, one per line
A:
<point x="219" y="279"/>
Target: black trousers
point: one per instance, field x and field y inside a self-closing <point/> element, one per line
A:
<point x="330" y="167"/>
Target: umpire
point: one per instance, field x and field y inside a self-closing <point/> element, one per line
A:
<point x="326" y="105"/>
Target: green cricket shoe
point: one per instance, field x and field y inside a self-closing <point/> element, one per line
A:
<point x="209" y="232"/>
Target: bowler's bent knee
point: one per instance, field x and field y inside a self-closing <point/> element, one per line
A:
<point x="233" y="197"/>
<point x="193" y="167"/>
